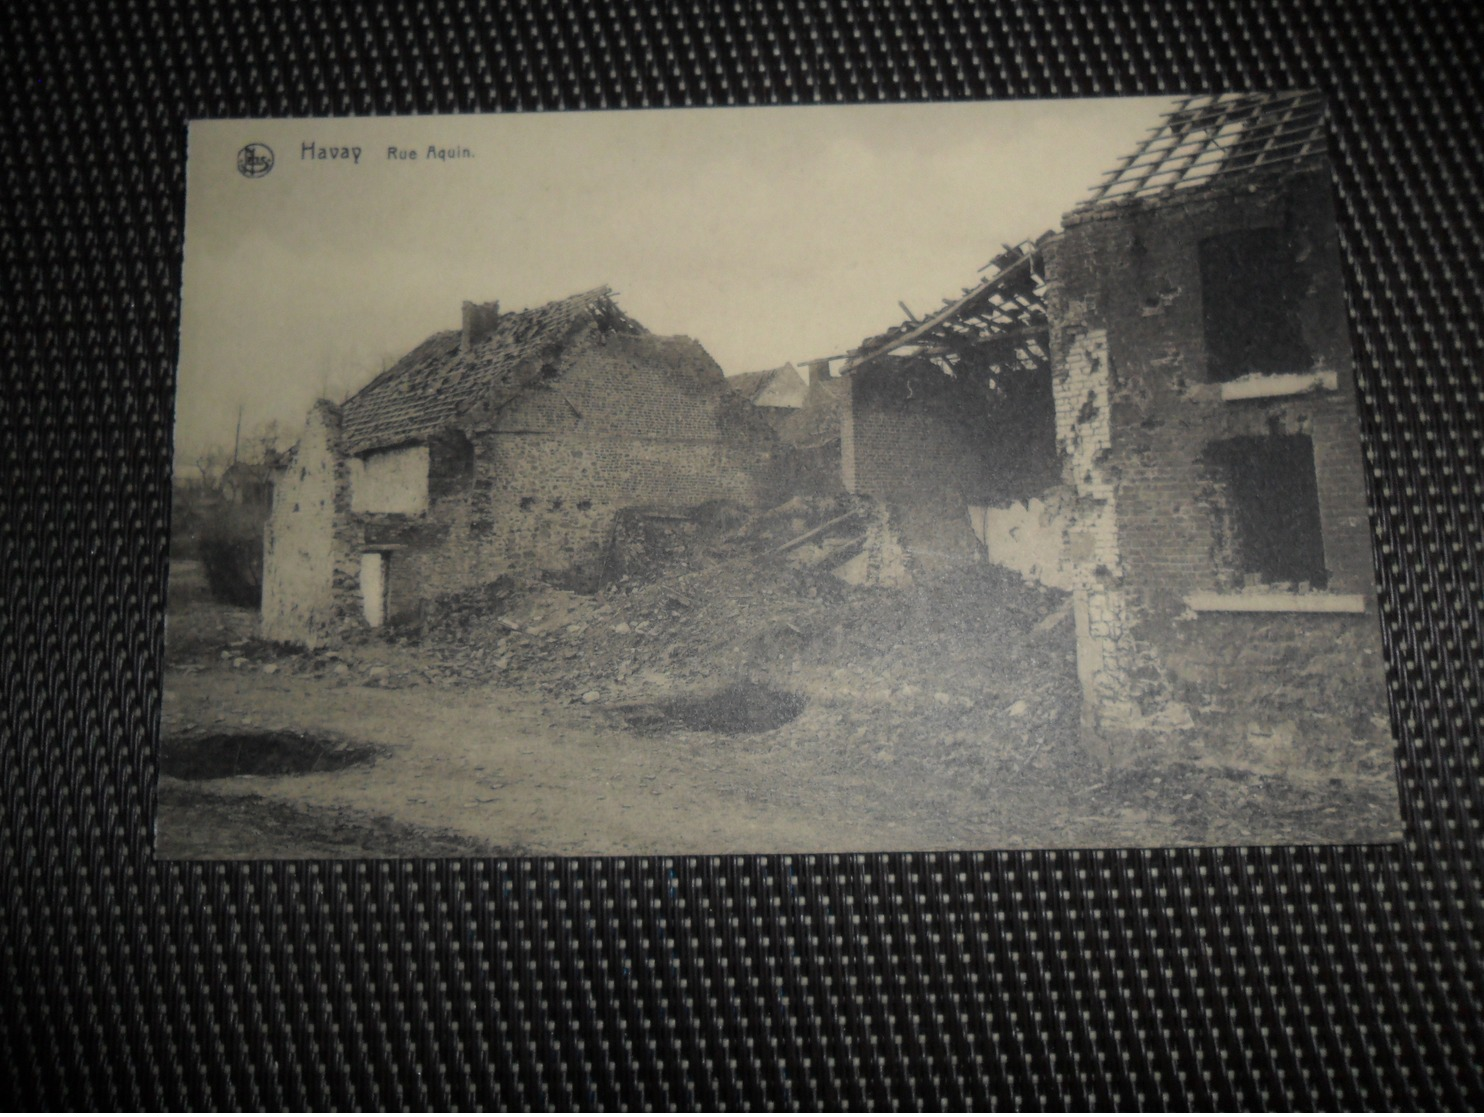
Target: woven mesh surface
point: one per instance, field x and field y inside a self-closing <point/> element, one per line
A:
<point x="1234" y="978"/>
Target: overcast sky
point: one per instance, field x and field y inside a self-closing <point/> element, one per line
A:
<point x="768" y="234"/>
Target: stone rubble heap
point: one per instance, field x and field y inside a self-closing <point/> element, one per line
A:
<point x="942" y="670"/>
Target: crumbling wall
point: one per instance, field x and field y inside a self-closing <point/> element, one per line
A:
<point x="1141" y="420"/>
<point x="1028" y="537"/>
<point x="809" y="457"/>
<point x="882" y="560"/>
<point x="915" y="439"/>
<point x="1107" y="656"/>
<point x="308" y="548"/>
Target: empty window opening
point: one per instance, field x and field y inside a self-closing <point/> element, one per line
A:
<point x="1251" y="289"/>
<point x="1272" y="529"/>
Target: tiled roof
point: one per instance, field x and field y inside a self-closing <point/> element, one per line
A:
<point x="749" y="384"/>
<point x="438" y="381"/>
<point x="1203" y="139"/>
<point x="772" y="387"/>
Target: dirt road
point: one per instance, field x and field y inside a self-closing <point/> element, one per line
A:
<point x="493" y="770"/>
<point x="776" y="714"/>
<point x="514" y="771"/>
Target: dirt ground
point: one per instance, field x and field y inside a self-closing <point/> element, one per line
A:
<point x="718" y="709"/>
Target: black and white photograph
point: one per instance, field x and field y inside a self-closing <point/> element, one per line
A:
<point x="967" y="476"/>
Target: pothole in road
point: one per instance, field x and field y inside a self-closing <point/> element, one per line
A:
<point x="218" y="756"/>
<point x="740" y="708"/>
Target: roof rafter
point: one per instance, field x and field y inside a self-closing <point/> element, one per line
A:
<point x="1214" y="135"/>
<point x="1005" y="306"/>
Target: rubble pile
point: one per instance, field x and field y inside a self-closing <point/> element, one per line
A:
<point x="949" y="667"/>
<point x="962" y="673"/>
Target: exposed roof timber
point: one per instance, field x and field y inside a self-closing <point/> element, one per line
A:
<point x="1004" y="304"/>
<point x="1209" y="136"/>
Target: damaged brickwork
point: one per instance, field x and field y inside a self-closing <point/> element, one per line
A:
<point x="1106" y="654"/>
<point x="628" y="422"/>
<point x="509" y="447"/>
<point x="1218" y="541"/>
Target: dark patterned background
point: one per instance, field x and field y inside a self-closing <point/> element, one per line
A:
<point x="1231" y="978"/>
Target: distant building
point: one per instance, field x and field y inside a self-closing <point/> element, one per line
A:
<point x="776" y="392"/>
<point x="248" y="483"/>
<point x="803" y="406"/>
<point x="508" y="446"/>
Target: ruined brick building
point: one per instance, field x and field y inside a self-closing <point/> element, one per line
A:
<point x="507" y="446"/>
<point x="1155" y="408"/>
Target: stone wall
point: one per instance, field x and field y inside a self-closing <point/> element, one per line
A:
<point x="619" y="422"/>
<point x="308" y="561"/>
<point x="1140" y="423"/>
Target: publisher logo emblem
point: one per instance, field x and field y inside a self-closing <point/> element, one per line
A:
<point x="255" y="160"/>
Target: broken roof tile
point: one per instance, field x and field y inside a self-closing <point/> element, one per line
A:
<point x="439" y="380"/>
<point x="1002" y="321"/>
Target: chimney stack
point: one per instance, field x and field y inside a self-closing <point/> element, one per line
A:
<point x="480" y="320"/>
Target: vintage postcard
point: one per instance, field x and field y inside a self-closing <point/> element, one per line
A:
<point x="738" y="481"/>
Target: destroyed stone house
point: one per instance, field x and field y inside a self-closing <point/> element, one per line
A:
<point x="509" y="446"/>
<point x="1155" y="409"/>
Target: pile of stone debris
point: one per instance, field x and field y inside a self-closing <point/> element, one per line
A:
<point x="938" y="669"/>
<point x="948" y="658"/>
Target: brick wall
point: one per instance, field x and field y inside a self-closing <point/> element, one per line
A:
<point x="1137" y="417"/>
<point x="910" y="434"/>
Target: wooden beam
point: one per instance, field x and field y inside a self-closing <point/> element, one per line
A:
<point x="812" y="532"/>
<point x="949" y="312"/>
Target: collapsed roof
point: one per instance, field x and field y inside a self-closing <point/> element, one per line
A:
<point x="453" y="371"/>
<point x="1216" y="136"/>
<point x="999" y="326"/>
